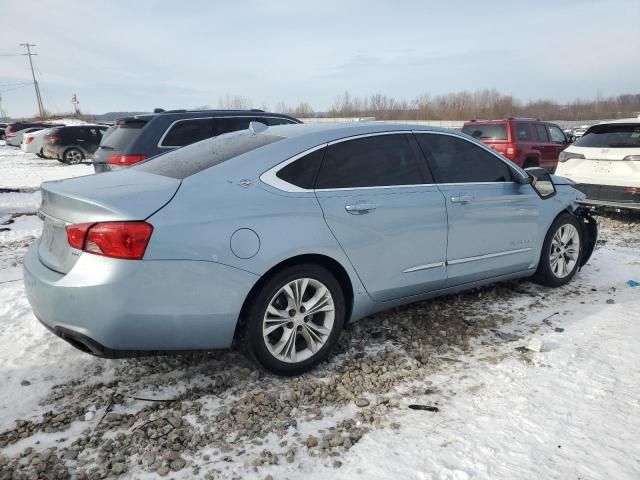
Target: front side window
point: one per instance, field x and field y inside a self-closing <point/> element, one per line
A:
<point x="455" y="160"/>
<point x="231" y="124"/>
<point x="556" y="134"/>
<point x="541" y="132"/>
<point x="377" y="161"/>
<point x="186" y="132"/>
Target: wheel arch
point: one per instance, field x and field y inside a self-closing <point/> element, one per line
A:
<point x="331" y="264"/>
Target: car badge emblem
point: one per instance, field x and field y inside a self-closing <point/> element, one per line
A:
<point x="245" y="183"/>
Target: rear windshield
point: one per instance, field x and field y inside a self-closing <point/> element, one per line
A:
<point x="489" y="131"/>
<point x="121" y="136"/>
<point x="199" y="156"/>
<point x="611" y="136"/>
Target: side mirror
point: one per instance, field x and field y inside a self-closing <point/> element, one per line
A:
<point x="541" y="182"/>
<point x="528" y="180"/>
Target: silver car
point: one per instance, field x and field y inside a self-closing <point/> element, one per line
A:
<point x="272" y="238"/>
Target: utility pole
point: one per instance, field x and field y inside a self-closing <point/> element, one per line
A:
<point x="35" y="82"/>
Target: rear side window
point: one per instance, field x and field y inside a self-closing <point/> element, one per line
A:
<point x="382" y="160"/>
<point x="122" y="136"/>
<point x="186" y="132"/>
<point x="523" y="132"/>
<point x="541" y="133"/>
<point x="302" y="172"/>
<point x="611" y="136"/>
<point x="271" y="121"/>
<point x="455" y="160"/>
<point x="486" y="131"/>
<point x="231" y="124"/>
<point x="195" y="158"/>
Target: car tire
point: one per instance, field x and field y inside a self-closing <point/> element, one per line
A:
<point x="40" y="154"/>
<point x="561" y="252"/>
<point x="278" y="333"/>
<point x="72" y="156"/>
<point x="529" y="163"/>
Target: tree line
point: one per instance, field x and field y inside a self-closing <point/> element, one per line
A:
<point x="485" y="104"/>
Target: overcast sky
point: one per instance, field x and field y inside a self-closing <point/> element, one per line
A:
<point x="137" y="55"/>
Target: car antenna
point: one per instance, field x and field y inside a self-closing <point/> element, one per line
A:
<point x="257" y="127"/>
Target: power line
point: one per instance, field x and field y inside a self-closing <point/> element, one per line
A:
<point x="35" y="82"/>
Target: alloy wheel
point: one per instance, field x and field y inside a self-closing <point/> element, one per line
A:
<point x="73" y="156"/>
<point x="299" y="320"/>
<point x="565" y="249"/>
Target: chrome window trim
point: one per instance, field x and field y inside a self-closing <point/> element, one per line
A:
<point x="506" y="161"/>
<point x="424" y="267"/>
<point x="270" y="177"/>
<point x="159" y="145"/>
<point x="485" y="257"/>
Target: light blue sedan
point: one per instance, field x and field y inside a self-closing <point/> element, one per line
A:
<point x="272" y="238"/>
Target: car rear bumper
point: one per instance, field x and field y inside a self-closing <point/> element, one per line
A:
<point x="121" y="308"/>
<point x="610" y="196"/>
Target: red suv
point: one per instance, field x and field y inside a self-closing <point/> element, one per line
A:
<point x="527" y="142"/>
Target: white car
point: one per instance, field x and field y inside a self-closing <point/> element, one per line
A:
<point x="16" y="139"/>
<point x="605" y="164"/>
<point x="33" y="142"/>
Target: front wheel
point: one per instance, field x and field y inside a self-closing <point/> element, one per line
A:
<point x="561" y="252"/>
<point x="72" y="156"/>
<point x="294" y="320"/>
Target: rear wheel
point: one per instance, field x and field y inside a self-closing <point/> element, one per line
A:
<point x="294" y="320"/>
<point x="530" y="162"/>
<point x="561" y="252"/>
<point x="72" y="156"/>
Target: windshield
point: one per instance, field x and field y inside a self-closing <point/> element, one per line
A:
<point x="611" y="136"/>
<point x="486" y="131"/>
<point x="186" y="161"/>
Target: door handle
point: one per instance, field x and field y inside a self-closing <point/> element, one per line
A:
<point x="461" y="199"/>
<point x="358" y="208"/>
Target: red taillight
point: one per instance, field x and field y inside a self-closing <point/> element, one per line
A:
<point x="125" y="160"/>
<point x="28" y="140"/>
<point x="53" y="138"/>
<point x="510" y="152"/>
<point x="76" y="234"/>
<point x="126" y="240"/>
<point x="632" y="190"/>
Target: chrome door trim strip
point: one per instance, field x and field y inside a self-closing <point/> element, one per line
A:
<point x="424" y="267"/>
<point x="485" y="257"/>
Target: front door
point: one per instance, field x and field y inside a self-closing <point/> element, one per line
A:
<point x="493" y="221"/>
<point x="380" y="203"/>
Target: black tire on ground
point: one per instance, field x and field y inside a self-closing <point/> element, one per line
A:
<point x="40" y="154"/>
<point x="548" y="275"/>
<point x="72" y="156"/>
<point x="250" y="337"/>
<point x="530" y="162"/>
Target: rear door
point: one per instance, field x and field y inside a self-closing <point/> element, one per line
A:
<point x="548" y="155"/>
<point x="559" y="142"/>
<point x="380" y="203"/>
<point x="493" y="221"/>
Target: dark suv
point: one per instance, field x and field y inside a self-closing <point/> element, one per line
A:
<point x="527" y="142"/>
<point x="73" y="144"/>
<point x="137" y="138"/>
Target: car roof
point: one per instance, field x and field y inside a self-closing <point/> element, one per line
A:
<point x="180" y="114"/>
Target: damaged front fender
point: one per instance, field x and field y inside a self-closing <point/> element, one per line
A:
<point x="589" y="228"/>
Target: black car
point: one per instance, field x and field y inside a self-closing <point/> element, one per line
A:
<point x="73" y="144"/>
<point x="133" y="139"/>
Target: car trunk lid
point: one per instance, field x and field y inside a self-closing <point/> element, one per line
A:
<point x="120" y="196"/>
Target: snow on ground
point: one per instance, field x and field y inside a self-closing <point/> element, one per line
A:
<point x="569" y="411"/>
<point x="25" y="171"/>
